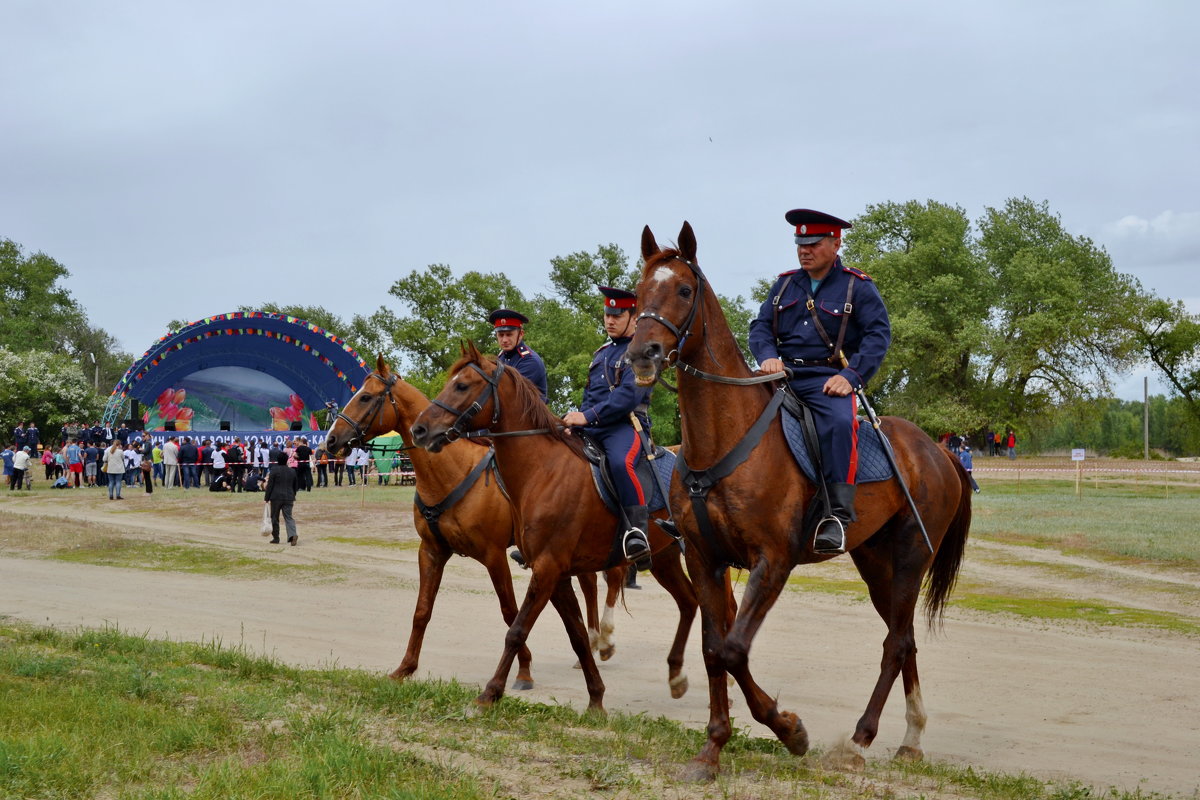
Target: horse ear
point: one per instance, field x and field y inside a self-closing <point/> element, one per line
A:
<point x="649" y="246"/>
<point x="381" y="366"/>
<point x="687" y="242"/>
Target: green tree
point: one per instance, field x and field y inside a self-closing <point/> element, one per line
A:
<point x="47" y="388"/>
<point x="36" y="311"/>
<point x="1170" y="337"/>
<point x="937" y="290"/>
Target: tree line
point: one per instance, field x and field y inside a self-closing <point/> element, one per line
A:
<point x="1006" y="321"/>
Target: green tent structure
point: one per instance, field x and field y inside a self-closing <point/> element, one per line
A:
<point x="383" y="450"/>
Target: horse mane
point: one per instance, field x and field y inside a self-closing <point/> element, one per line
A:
<point x="528" y="399"/>
<point x="659" y="257"/>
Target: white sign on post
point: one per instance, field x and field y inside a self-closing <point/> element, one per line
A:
<point x="1077" y="454"/>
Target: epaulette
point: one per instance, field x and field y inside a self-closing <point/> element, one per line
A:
<point x="789" y="272"/>
<point x="523" y="350"/>
<point x="601" y="347"/>
<point x="858" y="273"/>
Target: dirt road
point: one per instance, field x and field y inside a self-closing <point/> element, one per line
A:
<point x="1105" y="706"/>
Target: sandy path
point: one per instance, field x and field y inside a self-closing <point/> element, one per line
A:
<point x="1108" y="707"/>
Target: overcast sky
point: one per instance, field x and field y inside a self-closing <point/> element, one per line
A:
<point x="183" y="159"/>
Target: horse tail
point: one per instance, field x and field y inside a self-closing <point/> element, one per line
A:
<point x="948" y="559"/>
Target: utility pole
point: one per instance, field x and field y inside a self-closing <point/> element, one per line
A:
<point x="1146" y="418"/>
<point x="96" y="364"/>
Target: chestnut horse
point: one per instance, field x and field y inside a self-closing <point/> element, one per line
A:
<point x="479" y="525"/>
<point x="756" y="512"/>
<point x="563" y="527"/>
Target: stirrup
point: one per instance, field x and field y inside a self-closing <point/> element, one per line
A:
<point x="639" y="553"/>
<point x="830" y="549"/>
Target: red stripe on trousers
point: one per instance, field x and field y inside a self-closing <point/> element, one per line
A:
<point x="853" y="441"/>
<point x="630" y="461"/>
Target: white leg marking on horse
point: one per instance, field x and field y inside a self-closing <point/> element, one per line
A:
<point x="593" y="638"/>
<point x="914" y="715"/>
<point x="662" y="274"/>
<point x="607" y="627"/>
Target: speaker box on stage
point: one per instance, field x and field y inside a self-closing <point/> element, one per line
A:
<point x="169" y="425"/>
<point x="296" y="425"/>
<point x="225" y="425"/>
<point x="135" y="409"/>
<point x="135" y="424"/>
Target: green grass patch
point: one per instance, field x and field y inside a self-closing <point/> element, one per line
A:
<point x="100" y="713"/>
<point x="1088" y="611"/>
<point x="1129" y="525"/>
<point x="375" y="541"/>
<point x="140" y="554"/>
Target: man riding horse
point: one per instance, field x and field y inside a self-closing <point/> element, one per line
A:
<point x="609" y="400"/>
<point x="825" y="322"/>
<point x="510" y="336"/>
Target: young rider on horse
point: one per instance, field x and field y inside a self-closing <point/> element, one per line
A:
<point x="609" y="399"/>
<point x="510" y="335"/>
<point x="826" y="323"/>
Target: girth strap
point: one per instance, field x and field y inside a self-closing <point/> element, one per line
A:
<point x="700" y="482"/>
<point x="433" y="513"/>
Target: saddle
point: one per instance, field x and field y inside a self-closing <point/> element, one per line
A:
<point x="653" y="471"/>
<point x="873" y="465"/>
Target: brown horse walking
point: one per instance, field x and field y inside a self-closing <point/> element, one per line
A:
<point x="479" y="525"/>
<point x="757" y="511"/>
<point x="563" y="527"/>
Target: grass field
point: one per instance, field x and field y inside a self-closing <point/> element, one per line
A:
<point x="102" y="714"/>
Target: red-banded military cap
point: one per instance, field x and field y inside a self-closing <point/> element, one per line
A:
<point x="504" y="319"/>
<point x="617" y="301"/>
<point x="813" y="226"/>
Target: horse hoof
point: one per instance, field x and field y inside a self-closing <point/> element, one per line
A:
<point x="906" y="753"/>
<point x="847" y="757"/>
<point x="607" y="652"/>
<point x="794" y="738"/>
<point x="484" y="701"/>
<point x="596" y="711"/>
<point x="522" y="685"/>
<point x="679" y="686"/>
<point x="399" y="674"/>
<point x="578" y="665"/>
<point x="698" y="772"/>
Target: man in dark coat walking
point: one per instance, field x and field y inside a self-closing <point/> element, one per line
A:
<point x="281" y="494"/>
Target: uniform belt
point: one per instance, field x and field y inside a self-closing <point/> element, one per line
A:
<point x="811" y="362"/>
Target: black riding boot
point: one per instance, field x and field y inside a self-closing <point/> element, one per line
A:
<point x="631" y="578"/>
<point x="831" y="531"/>
<point x="516" y="556"/>
<point x="635" y="543"/>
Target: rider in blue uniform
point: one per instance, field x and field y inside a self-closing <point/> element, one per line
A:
<point x="827" y="323"/>
<point x="610" y="398"/>
<point x="510" y="335"/>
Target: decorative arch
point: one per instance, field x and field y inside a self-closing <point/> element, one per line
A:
<point x="315" y="365"/>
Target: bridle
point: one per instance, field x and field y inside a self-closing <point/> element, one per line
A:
<point x="377" y="405"/>
<point x="458" y="429"/>
<point x="684" y="330"/>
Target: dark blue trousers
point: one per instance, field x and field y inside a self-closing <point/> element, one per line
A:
<point x="836" y="419"/>
<point x="623" y="448"/>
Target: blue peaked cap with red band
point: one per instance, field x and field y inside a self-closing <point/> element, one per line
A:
<point x="504" y="319"/>
<point x="813" y="226"/>
<point x="617" y="301"/>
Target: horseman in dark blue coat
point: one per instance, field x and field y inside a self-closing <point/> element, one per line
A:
<point x="827" y="323"/>
<point x="609" y="400"/>
<point x="510" y="335"/>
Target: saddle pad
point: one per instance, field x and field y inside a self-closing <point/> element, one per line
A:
<point x="872" y="461"/>
<point x="664" y="463"/>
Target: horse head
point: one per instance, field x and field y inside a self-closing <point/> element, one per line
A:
<point x="362" y="418"/>
<point x="469" y="401"/>
<point x="670" y="296"/>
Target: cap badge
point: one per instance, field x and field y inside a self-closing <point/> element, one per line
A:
<point x="804" y="229"/>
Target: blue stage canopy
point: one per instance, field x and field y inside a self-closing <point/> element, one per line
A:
<point x="207" y="371"/>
